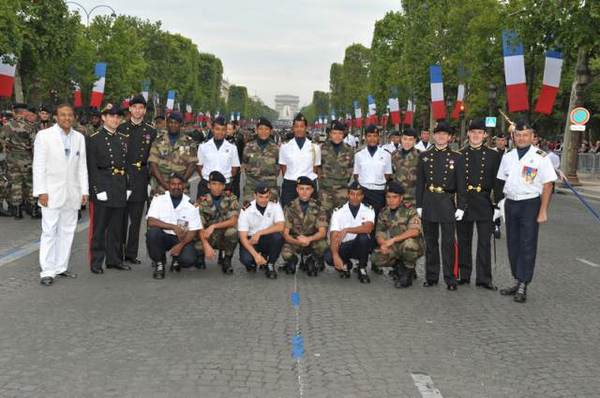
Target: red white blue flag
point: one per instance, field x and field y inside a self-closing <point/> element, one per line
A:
<point x="394" y="106"/>
<point x="514" y="72"/>
<point x="552" y="70"/>
<point x="411" y="107"/>
<point x="7" y="76"/>
<point x="372" y="113"/>
<point x="98" y="89"/>
<point x="438" y="107"/>
<point x="459" y="104"/>
<point x="357" y="114"/>
<point x="170" y="99"/>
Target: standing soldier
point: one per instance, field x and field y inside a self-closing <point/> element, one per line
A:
<point x="231" y="135"/>
<point x="17" y="140"/>
<point x="259" y="160"/>
<point x="481" y="168"/>
<point x="404" y="164"/>
<point x="528" y="174"/>
<point x="337" y="162"/>
<point x="106" y="157"/>
<point x="398" y="235"/>
<point x="424" y="143"/>
<point x="171" y="152"/>
<point x="140" y="136"/>
<point x="305" y="230"/>
<point x="95" y="122"/>
<point x="440" y="184"/>
<point x="45" y="120"/>
<point x="219" y="210"/>
<point x="394" y="144"/>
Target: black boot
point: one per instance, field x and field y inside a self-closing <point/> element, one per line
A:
<point x="36" y="212"/>
<point x="175" y="266"/>
<point x="320" y="264"/>
<point x="363" y="277"/>
<point x="159" y="270"/>
<point x="521" y="294"/>
<point x="17" y="212"/>
<point x="271" y="273"/>
<point x="200" y="263"/>
<point x="220" y="260"/>
<point x="404" y="277"/>
<point x="310" y="265"/>
<point x="226" y="266"/>
<point x="510" y="291"/>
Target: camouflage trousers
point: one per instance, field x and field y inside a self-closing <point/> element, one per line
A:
<point x="406" y="252"/>
<point x="332" y="198"/>
<point x="21" y="183"/>
<point x="221" y="239"/>
<point x="290" y="252"/>
<point x="4" y="184"/>
<point x="250" y="187"/>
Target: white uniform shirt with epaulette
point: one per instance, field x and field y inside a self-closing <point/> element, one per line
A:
<point x="525" y="177"/>
<point x="251" y="220"/>
<point x="351" y="140"/>
<point x="371" y="170"/>
<point x="422" y="147"/>
<point x="391" y="147"/>
<point x="299" y="161"/>
<point x="161" y="208"/>
<point x="220" y="159"/>
<point x="342" y="218"/>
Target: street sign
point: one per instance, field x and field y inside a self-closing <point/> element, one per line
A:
<point x="577" y="127"/>
<point x="579" y="116"/>
<point x="490" y="121"/>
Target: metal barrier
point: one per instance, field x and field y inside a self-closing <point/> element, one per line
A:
<point x="588" y="163"/>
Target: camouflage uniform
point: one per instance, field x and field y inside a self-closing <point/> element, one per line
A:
<point x="390" y="224"/>
<point x="405" y="172"/>
<point x="86" y="130"/>
<point x="260" y="165"/>
<point x="4" y="182"/>
<point x="306" y="224"/>
<point x="222" y="239"/>
<point x="336" y="171"/>
<point x="171" y="158"/>
<point x="17" y="139"/>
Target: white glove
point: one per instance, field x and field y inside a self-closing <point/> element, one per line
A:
<point x="102" y="196"/>
<point x="128" y="193"/>
<point x="500" y="206"/>
<point x="420" y="212"/>
<point x="497" y="214"/>
<point x="458" y="214"/>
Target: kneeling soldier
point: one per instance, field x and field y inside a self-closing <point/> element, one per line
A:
<point x="398" y="235"/>
<point x="305" y="231"/>
<point x="173" y="224"/>
<point x="219" y="211"/>
<point x="260" y="226"/>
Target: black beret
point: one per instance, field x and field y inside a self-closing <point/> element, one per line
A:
<point x="261" y="188"/>
<point x="394" y="133"/>
<point x="138" y="99"/>
<point x="262" y="121"/>
<point x="300" y="118"/>
<point x="175" y="116"/>
<point x="94" y="112"/>
<point x="220" y="120"/>
<point x="477" y="124"/>
<point x="395" y="187"/>
<point x="522" y="124"/>
<point x="337" y="125"/>
<point x="32" y="109"/>
<point x="110" y="109"/>
<point x="159" y="117"/>
<point x="372" y="128"/>
<point x="354" y="186"/>
<point x="216" y="176"/>
<point x="304" y="180"/>
<point x="45" y="108"/>
<point x="443" y="126"/>
<point x="410" y="132"/>
<point x="20" y="105"/>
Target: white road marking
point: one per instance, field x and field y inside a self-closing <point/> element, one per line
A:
<point x="425" y="386"/>
<point x="591" y="264"/>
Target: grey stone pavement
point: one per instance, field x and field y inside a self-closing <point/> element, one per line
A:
<point x="204" y="334"/>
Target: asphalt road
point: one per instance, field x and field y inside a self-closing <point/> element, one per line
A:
<point x="201" y="333"/>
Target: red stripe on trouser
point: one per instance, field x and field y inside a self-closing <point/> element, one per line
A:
<point x="90" y="231"/>
<point x="455" y="259"/>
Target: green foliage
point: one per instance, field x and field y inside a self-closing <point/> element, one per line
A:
<point x="238" y="99"/>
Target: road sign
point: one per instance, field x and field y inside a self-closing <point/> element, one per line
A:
<point x="578" y="127"/>
<point x="579" y="115"/>
<point x="490" y="121"/>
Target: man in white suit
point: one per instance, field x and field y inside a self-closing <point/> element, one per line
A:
<point x="60" y="181"/>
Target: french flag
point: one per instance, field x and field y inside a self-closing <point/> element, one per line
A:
<point x="7" y="77"/>
<point x="372" y="113"/>
<point x="514" y="72"/>
<point x="188" y="116"/>
<point x="394" y="106"/>
<point x="232" y="116"/>
<point x="411" y="107"/>
<point x="438" y="108"/>
<point x="459" y="104"/>
<point x="170" y="99"/>
<point x="146" y="89"/>
<point x="77" y="101"/>
<point x="98" y="89"/>
<point x="125" y="103"/>
<point x="237" y="116"/>
<point x="357" y="115"/>
<point x="552" y="70"/>
<point x="348" y="120"/>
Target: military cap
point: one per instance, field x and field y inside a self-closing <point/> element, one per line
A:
<point x="372" y="128"/>
<point x="395" y="187"/>
<point x="523" y="124"/>
<point x="410" y="132"/>
<point x="263" y="121"/>
<point x="354" y="186"/>
<point x="94" y="112"/>
<point x="220" y="120"/>
<point x="138" y="99"/>
<point x="477" y="124"/>
<point x="261" y="188"/>
<point x="443" y="126"/>
<point x="175" y="116"/>
<point x="20" y="105"/>
<point x="45" y="108"/>
<point x="394" y="133"/>
<point x="32" y="109"/>
<point x="110" y="109"/>
<point x="216" y="176"/>
<point x="337" y="125"/>
<point x="304" y="180"/>
<point x="300" y="118"/>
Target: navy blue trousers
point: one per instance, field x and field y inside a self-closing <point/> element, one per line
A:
<point x="357" y="249"/>
<point x="522" y="236"/>
<point x="269" y="246"/>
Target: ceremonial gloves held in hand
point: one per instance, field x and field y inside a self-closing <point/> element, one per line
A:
<point x="458" y="214"/>
<point x="102" y="196"/>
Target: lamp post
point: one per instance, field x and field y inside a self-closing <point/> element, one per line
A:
<point x="493" y="104"/>
<point x="88" y="14"/>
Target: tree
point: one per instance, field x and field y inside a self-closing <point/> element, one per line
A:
<point x="238" y="99"/>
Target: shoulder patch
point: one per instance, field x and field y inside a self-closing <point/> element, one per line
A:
<point x="541" y="153"/>
<point x="96" y="133"/>
<point x="245" y="205"/>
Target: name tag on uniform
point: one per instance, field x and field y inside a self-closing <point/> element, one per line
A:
<point x="528" y="174"/>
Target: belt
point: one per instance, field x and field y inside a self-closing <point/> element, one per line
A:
<point x="374" y="187"/>
<point x="139" y="164"/>
<point x="524" y="196"/>
<point x="117" y="171"/>
<point x="437" y="189"/>
<point x="476" y="188"/>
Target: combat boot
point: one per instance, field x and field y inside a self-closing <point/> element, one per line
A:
<point x="345" y="274"/>
<point x="159" y="270"/>
<point x="36" y="212"/>
<point x="310" y="265"/>
<point x="404" y="277"/>
<point x="200" y="263"/>
<point x="320" y="264"/>
<point x="226" y="266"/>
<point x="220" y="260"/>
<point x="175" y="266"/>
<point x="521" y="294"/>
<point x="17" y="212"/>
<point x="271" y="273"/>
<point x="510" y="291"/>
<point x="363" y="277"/>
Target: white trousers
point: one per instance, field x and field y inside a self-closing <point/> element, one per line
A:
<point x="58" y="230"/>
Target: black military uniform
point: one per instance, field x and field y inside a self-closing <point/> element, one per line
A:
<point x="139" y="140"/>
<point x="106" y="153"/>
<point x="439" y="193"/>
<point x="481" y="168"/>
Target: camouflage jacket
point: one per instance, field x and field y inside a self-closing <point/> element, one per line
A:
<point x="16" y="139"/>
<point x="390" y="224"/>
<point x="336" y="168"/>
<point x="301" y="223"/>
<point x="211" y="214"/>
<point x="261" y="164"/>
<point x="173" y="158"/>
<point x="405" y="171"/>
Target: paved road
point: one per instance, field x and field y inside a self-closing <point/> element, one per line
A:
<point x="201" y="333"/>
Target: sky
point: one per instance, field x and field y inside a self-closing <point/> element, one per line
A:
<point x="270" y="46"/>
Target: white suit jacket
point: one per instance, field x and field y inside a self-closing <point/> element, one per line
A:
<point x="63" y="178"/>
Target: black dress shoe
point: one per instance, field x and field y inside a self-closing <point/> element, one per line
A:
<point x="488" y="286"/>
<point x="47" y="281"/>
<point x="430" y="283"/>
<point x="68" y="274"/>
<point x="509" y="291"/>
<point x="97" y="270"/>
<point x="452" y="287"/>
<point x="120" y="267"/>
<point x="463" y="281"/>
<point x="132" y="260"/>
<point x="521" y="294"/>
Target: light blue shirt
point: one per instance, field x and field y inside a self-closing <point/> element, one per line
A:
<point x="66" y="139"/>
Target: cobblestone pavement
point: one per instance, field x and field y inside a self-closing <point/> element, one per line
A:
<point x="201" y="333"/>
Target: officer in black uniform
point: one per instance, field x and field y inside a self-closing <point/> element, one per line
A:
<point x="106" y="154"/>
<point x="440" y="183"/>
<point x="140" y="136"/>
<point x="481" y="168"/>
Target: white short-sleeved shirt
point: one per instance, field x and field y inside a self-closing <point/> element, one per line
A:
<point x="251" y="220"/>
<point x="299" y="162"/>
<point x="371" y="170"/>
<point x="221" y="159"/>
<point x="351" y="140"/>
<point x="391" y="148"/>
<point x="162" y="209"/>
<point x="525" y="177"/>
<point x="421" y="147"/>
<point x="343" y="218"/>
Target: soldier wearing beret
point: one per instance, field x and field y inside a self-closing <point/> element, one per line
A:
<point x="404" y="164"/>
<point x="259" y="161"/>
<point x="45" y="118"/>
<point x="94" y="122"/>
<point x="394" y="142"/>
